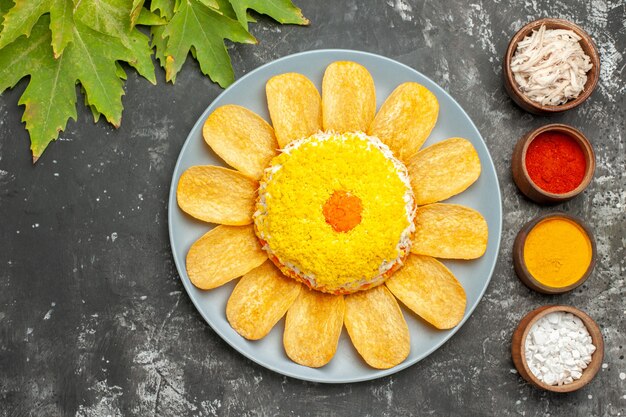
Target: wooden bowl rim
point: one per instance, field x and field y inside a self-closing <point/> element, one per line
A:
<point x="583" y="142"/>
<point x="594" y="332"/>
<point x="522" y="235"/>
<point x="551" y="23"/>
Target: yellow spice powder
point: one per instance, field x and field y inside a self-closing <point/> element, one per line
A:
<point x="557" y="252"/>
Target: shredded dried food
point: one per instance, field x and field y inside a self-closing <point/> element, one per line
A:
<point x="550" y="66"/>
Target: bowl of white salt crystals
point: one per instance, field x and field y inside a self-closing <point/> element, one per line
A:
<point x="551" y="65"/>
<point x="557" y="348"/>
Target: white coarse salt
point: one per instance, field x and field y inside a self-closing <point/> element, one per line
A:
<point x="558" y="348"/>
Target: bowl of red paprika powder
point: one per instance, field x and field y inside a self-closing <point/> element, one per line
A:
<point x="553" y="163"/>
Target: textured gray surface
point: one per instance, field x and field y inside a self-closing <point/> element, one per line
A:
<point x="93" y="320"/>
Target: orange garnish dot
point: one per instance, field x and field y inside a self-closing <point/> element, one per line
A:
<point x="342" y="211"/>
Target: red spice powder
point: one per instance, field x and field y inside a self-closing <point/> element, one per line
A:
<point x="555" y="162"/>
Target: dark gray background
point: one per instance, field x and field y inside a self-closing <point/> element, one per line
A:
<point x="93" y="317"/>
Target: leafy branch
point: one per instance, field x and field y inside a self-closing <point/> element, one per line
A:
<point x="62" y="43"/>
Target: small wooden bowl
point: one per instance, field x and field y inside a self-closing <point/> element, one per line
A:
<point x="588" y="47"/>
<point x="522" y="178"/>
<point x="519" y="342"/>
<point x="520" y="265"/>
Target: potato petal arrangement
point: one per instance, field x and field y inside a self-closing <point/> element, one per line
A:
<point x="332" y="214"/>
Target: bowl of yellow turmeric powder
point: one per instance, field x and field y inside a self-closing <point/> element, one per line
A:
<point x="554" y="253"/>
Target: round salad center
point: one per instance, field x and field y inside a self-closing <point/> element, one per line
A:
<point x="342" y="211"/>
<point x="335" y="211"/>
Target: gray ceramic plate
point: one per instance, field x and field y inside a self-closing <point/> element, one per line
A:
<point x="484" y="195"/>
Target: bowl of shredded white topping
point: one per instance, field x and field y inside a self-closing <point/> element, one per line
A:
<point x="551" y="65"/>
